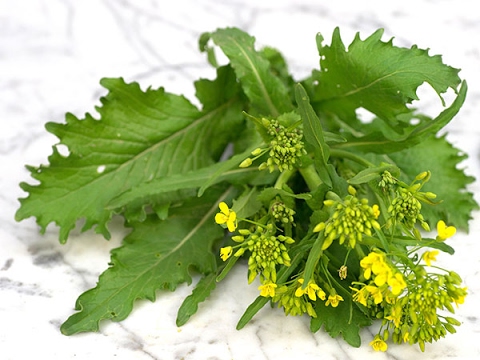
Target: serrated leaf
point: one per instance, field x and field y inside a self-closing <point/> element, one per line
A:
<point x="447" y="181"/>
<point x="157" y="254"/>
<point x="140" y="136"/>
<point x="190" y="305"/>
<point x="377" y="76"/>
<point x="345" y="319"/>
<point x="266" y="92"/>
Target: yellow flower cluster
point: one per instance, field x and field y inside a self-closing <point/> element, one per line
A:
<point x="386" y="283"/>
<point x="297" y="299"/>
<point x="312" y="290"/>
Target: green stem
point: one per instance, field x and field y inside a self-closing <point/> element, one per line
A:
<point x="348" y="155"/>
<point x="311" y="177"/>
<point x="283" y="178"/>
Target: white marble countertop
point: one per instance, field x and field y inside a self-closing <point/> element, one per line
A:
<point x="52" y="56"/>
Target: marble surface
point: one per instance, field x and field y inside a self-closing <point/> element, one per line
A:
<point x="52" y="56"/>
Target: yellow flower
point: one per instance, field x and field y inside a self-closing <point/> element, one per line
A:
<point x="429" y="256"/>
<point x="267" y="289"/>
<point x="368" y="262"/>
<point x="397" y="283"/>
<point x="375" y="292"/>
<point x="376" y="211"/>
<point x="226" y="252"/>
<point x="378" y="344"/>
<point x="444" y="231"/>
<point x="382" y="272"/>
<point x="226" y="216"/>
<point x="312" y="290"/>
<point x="333" y="300"/>
<point x="360" y="295"/>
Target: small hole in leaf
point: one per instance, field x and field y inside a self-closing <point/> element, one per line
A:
<point x="101" y="169"/>
<point x="63" y="150"/>
<point x="179" y="263"/>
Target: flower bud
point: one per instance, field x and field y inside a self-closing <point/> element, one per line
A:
<point x="421" y="176"/>
<point x="245" y="163"/>
<point x="319" y="227"/>
<point x="238" y="238"/>
<point x="256" y="152"/>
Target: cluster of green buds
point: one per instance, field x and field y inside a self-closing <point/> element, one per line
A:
<point x="284" y="146"/>
<point x="267" y="250"/>
<point x="405" y="208"/>
<point x="281" y="212"/>
<point x="387" y="181"/>
<point x="352" y="218"/>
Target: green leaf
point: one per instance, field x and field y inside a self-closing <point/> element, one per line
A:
<point x="377" y="141"/>
<point x="265" y="91"/>
<point x="247" y="204"/>
<point x="269" y="193"/>
<point x="313" y="256"/>
<point x="161" y="189"/>
<point x="313" y="133"/>
<point x="157" y="254"/>
<point x="190" y="305"/>
<point x="371" y="173"/>
<point x="345" y="319"/>
<point x="140" y="136"/>
<point x="448" y="181"/>
<point x="377" y="76"/>
<point x="278" y="66"/>
<point x="205" y="47"/>
<point x="424" y="242"/>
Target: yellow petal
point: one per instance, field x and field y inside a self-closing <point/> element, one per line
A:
<point x="220" y="218"/>
<point x="224" y="208"/>
<point x="231" y="225"/>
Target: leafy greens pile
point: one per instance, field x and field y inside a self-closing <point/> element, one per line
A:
<point x="330" y="211"/>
